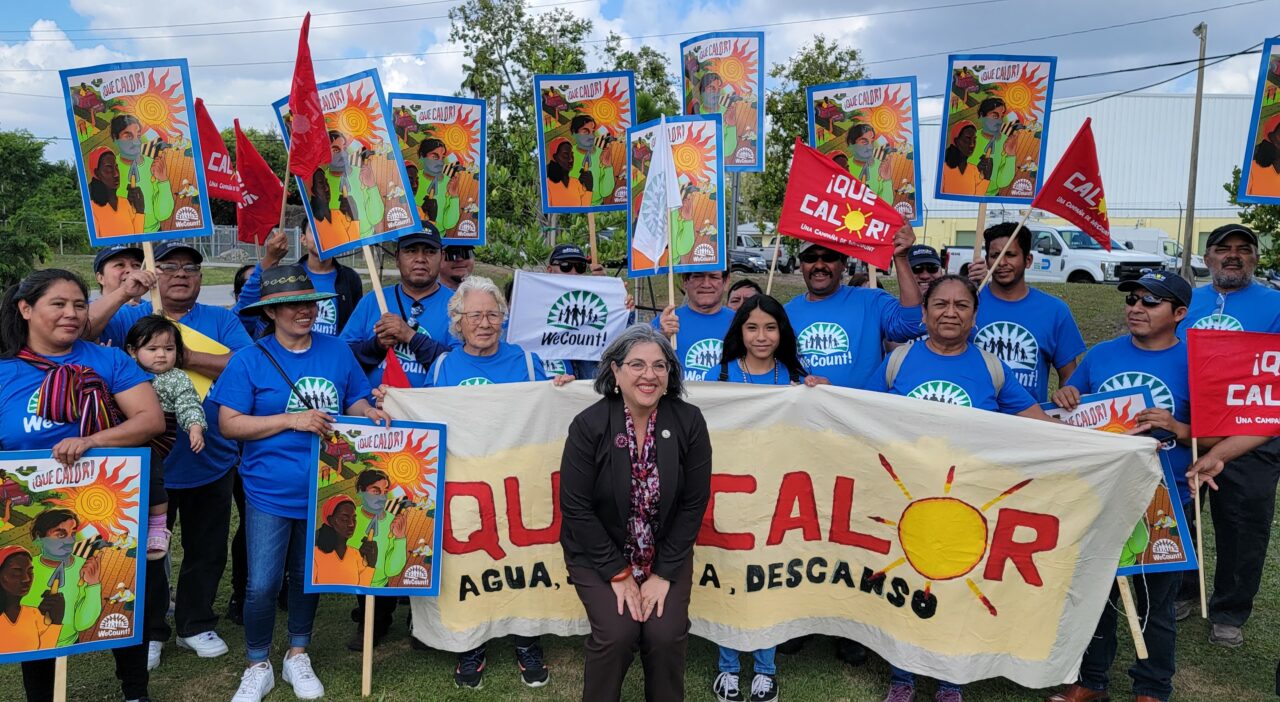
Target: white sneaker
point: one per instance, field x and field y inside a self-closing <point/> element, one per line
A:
<point x="206" y="645"/>
<point x="153" y="654"/>
<point x="256" y="682"/>
<point x="297" y="671"/>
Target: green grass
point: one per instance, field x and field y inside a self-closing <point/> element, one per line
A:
<point x="1205" y="672"/>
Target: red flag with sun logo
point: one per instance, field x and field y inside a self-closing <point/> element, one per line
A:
<point x="826" y="205"/>
<point x="309" y="138"/>
<point x="1073" y="191"/>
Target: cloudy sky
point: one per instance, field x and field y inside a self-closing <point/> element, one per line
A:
<point x="241" y="51"/>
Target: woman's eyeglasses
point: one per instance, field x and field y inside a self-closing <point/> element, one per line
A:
<point x="578" y="267"/>
<point x="825" y="256"/>
<point x="925" y="268"/>
<point x="638" y="367"/>
<point x="1149" y="301"/>
<point x="494" y="318"/>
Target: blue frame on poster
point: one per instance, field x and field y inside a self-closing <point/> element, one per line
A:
<point x="1255" y="114"/>
<point x="722" y="262"/>
<point x="140" y="560"/>
<point x="313" y="488"/>
<point x="1167" y="478"/>
<point x="915" y="126"/>
<point x="415" y="223"/>
<point x="482" y="162"/>
<point x="946" y="127"/>
<point x="538" y="80"/>
<point x="758" y="166"/>
<point x="82" y="171"/>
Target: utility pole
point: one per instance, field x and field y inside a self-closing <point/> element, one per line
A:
<point x="1189" y="237"/>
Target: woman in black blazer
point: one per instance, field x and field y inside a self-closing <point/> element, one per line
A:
<point x="634" y="483"/>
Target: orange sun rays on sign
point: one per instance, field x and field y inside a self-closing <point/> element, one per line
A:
<point x="360" y="119"/>
<point x="159" y="108"/>
<point x="695" y="156"/>
<point x="892" y="117"/>
<point x="1122" y="420"/>
<point x="461" y="137"/>
<point x="104" y="503"/>
<point x="412" y="467"/>
<point x="612" y="110"/>
<point x="737" y="69"/>
<point x="1025" y="96"/>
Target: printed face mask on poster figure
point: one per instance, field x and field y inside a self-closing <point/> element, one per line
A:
<point x="129" y="148"/>
<point x="433" y="166"/>
<point x="338" y="164"/>
<point x="585" y="141"/>
<point x="373" y="504"/>
<point x="57" y="548"/>
<point x="862" y="152"/>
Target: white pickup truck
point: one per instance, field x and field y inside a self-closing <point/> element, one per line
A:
<point x="1157" y="241"/>
<point x="1062" y="255"/>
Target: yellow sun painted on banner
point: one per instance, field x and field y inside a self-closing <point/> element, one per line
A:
<point x="360" y="119"/>
<point x="461" y="137"/>
<point x="853" y="221"/>
<point x="695" y="157"/>
<point x="1025" y="96"/>
<point x="892" y="118"/>
<point x="612" y="110"/>
<point x="942" y="538"/>
<point x="159" y="109"/>
<point x="737" y="69"/>
<point x="412" y="468"/>
<point x="1121" y="420"/>
<point x="104" y="503"/>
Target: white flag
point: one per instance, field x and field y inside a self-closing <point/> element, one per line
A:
<point x="661" y="195"/>
<point x="566" y="316"/>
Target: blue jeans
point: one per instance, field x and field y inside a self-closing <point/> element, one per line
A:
<point x="272" y="544"/>
<point x="1154" y="597"/>
<point x="898" y="675"/>
<point x="761" y="661"/>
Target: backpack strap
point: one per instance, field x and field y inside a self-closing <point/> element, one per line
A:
<point x="724" y="371"/>
<point x="896" y="358"/>
<point x="528" y="366"/>
<point x="994" y="367"/>
<point x="435" y="371"/>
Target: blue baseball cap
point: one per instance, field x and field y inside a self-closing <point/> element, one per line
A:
<point x="170" y="248"/>
<point x="921" y="254"/>
<point x="1170" y="286"/>
<point x="429" y="236"/>
<point x="568" y="252"/>
<point x="106" y="254"/>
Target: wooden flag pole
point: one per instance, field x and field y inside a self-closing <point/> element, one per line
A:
<point x="1195" y="493"/>
<point x="374" y="278"/>
<point x="366" y="673"/>
<point x="149" y="263"/>
<point x="60" y="679"/>
<point x="980" y="227"/>
<point x="1131" y="612"/>
<point x="773" y="264"/>
<point x="872" y="273"/>
<point x="284" y="197"/>
<point x="591" y="239"/>
<point x="1007" y="243"/>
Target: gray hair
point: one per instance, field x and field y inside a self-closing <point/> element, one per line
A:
<point x="617" y="353"/>
<point x="472" y="283"/>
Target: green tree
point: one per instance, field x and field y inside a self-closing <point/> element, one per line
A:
<point x="36" y="198"/>
<point x="654" y="94"/>
<point x="1263" y="219"/>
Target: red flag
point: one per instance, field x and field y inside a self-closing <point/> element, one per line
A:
<point x="219" y="172"/>
<point x="826" y="205"/>
<point x="393" y="371"/>
<point x="1235" y="383"/>
<point x="260" y="191"/>
<point x="1073" y="190"/>
<point x="308" y="138"/>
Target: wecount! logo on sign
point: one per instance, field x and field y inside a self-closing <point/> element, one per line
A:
<point x="577" y="309"/>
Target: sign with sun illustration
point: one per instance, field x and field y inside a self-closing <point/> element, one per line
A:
<point x="723" y="74"/>
<point x="363" y="196"/>
<point x="442" y="143"/>
<point x="697" y="225"/>
<point x="1160" y="541"/>
<point x="137" y="151"/>
<point x="582" y="134"/>
<point x="1260" y="174"/>
<point x="994" y="127"/>
<point x="78" y="530"/>
<point x="871" y="128"/>
<point x="372" y="526"/>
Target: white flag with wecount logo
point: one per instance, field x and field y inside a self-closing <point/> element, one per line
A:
<point x="661" y="194"/>
<point x="566" y="316"/>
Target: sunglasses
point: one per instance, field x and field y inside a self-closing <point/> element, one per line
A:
<point x="925" y="268"/>
<point x="1149" y="301"/>
<point x="578" y="267"/>
<point x="825" y="257"/>
<point x="457" y="255"/>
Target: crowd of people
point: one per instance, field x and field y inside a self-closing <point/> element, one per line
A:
<point x="304" y="343"/>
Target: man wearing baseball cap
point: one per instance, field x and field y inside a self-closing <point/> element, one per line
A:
<point x="112" y="264"/>
<point x="570" y="259"/>
<point x="1245" y="502"/>
<point x="1152" y="355"/>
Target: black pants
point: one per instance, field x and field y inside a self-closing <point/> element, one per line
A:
<point x="205" y="512"/>
<point x="384" y="610"/>
<point x="1154" y="597"/>
<point x="131" y="661"/>
<point x="1242" y="510"/>
<point x="239" y="557"/>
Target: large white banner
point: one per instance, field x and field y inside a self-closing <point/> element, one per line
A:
<point x="566" y="316"/>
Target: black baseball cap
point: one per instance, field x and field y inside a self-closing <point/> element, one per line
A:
<point x="921" y="254"/>
<point x="429" y="235"/>
<point x="567" y="252"/>
<point x="106" y="254"/>
<point x="170" y="248"/>
<point x="1216" y="236"/>
<point x="1170" y="286"/>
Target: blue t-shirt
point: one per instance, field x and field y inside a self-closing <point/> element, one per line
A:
<point x="962" y="380"/>
<point x="778" y="376"/>
<point x="701" y="339"/>
<point x="326" y="310"/>
<point x="434" y="322"/>
<point x="21" y="429"/>
<point x="182" y="468"/>
<point x="507" y="365"/>
<point x="1255" y="308"/>
<point x="1030" y="336"/>
<point x="277" y="470"/>
<point x="842" y="337"/>
<point x="1119" y="364"/>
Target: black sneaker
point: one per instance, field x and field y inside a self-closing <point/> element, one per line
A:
<point x="533" y="671"/>
<point x="470" y="670"/>
<point x="792" y="647"/>
<point x="764" y="688"/>
<point x="725" y="688"/>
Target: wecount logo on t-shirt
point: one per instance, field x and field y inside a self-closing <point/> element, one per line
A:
<point x="1012" y="343"/>
<point x="476" y="381"/>
<point x="577" y="309"/>
<point x="326" y="316"/>
<point x="407" y="360"/>
<point x="319" y="393"/>
<point x="823" y="339"/>
<point x="33" y="421"/>
<point x="1218" y="322"/>
<point x="943" y="391"/>
<point x="1160" y="393"/>
<point x="554" y="366"/>
<point x="703" y="355"/>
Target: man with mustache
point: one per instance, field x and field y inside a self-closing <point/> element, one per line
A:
<point x="1245" y="502"/>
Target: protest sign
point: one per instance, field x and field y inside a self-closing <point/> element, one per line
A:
<point x="960" y="554"/>
<point x="697" y="219"/>
<point x="1074" y="189"/>
<point x="137" y="151"/>
<point x="871" y="128"/>
<point x="566" y="317"/>
<point x="442" y="144"/>
<point x="582" y="126"/>
<point x="724" y="75"/>
<point x="826" y="205"/>
<point x="371" y="525"/>
<point x="994" y="128"/>
<point x="1260" y="174"/>
<point x="79" y="529"/>
<point x="360" y="197"/>
<point x="1160" y="541"/>
<point x="1235" y="383"/>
